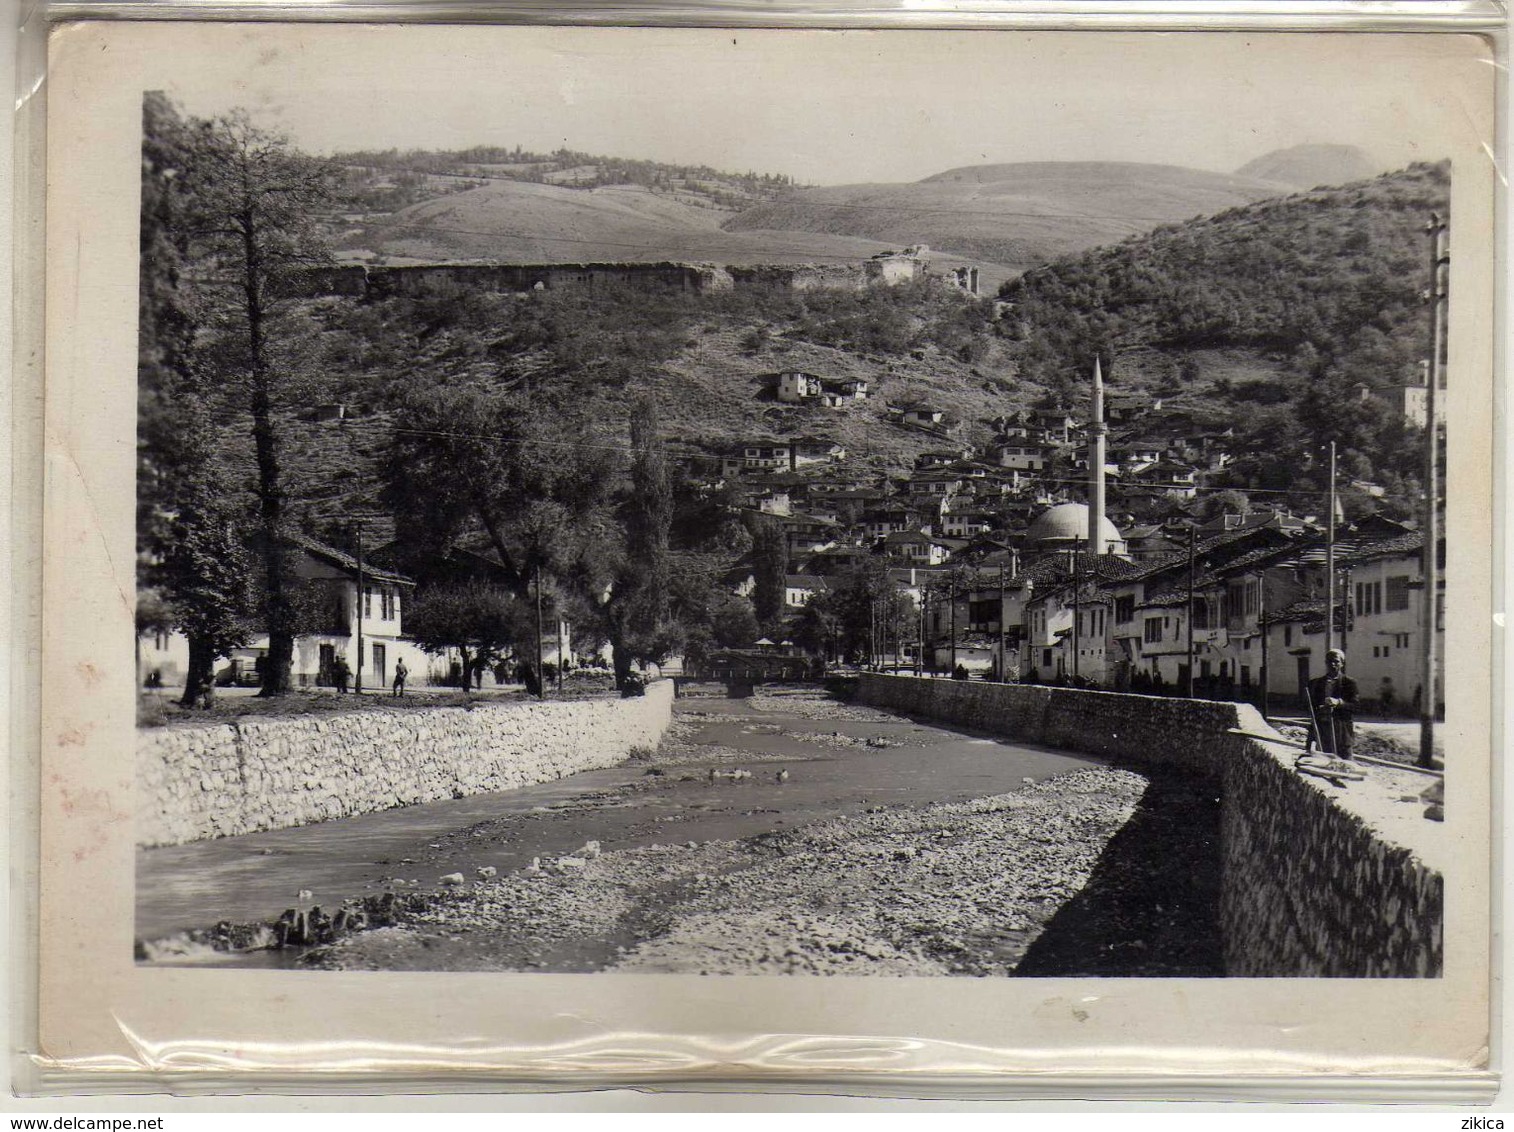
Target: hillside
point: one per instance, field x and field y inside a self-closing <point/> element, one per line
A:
<point x="1014" y="215"/>
<point x="402" y="178"/>
<point x="1309" y="166"/>
<point x="539" y="223"/>
<point x="1273" y="314"/>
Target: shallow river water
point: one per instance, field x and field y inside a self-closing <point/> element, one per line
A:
<point x="673" y="800"/>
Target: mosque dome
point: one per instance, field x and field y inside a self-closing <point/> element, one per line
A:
<point x="1066" y="522"/>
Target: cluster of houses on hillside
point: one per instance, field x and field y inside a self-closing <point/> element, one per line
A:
<point x="994" y="549"/>
<point x="1012" y="575"/>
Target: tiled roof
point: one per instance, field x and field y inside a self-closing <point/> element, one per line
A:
<point x="345" y="561"/>
<point x="1412" y="542"/>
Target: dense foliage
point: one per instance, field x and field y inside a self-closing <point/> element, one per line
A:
<point x="1325" y="286"/>
<point x="411" y="175"/>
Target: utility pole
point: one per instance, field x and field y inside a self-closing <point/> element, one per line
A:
<point x="1003" y="631"/>
<point x="541" y="681"/>
<point x="1262" y="624"/>
<point x="1192" y="533"/>
<point x="920" y="616"/>
<point x="1077" y="615"/>
<point x="952" y="596"/>
<point x="557" y="616"/>
<point x="1439" y="261"/>
<point x="1330" y="561"/>
<point x="897" y="625"/>
<point x="357" y="686"/>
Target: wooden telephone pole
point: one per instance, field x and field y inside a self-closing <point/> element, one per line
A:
<point x="1430" y="563"/>
<point x="1192" y="536"/>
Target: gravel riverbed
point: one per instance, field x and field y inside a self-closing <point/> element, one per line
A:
<point x="948" y="889"/>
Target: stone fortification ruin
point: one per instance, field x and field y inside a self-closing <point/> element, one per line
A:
<point x="372" y="281"/>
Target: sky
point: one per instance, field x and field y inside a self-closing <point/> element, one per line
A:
<point x="844" y="107"/>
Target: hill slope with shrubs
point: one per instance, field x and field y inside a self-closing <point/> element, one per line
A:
<point x="1317" y="294"/>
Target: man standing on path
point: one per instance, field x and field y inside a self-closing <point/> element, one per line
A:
<point x="1332" y="700"/>
<point x="400" y="672"/>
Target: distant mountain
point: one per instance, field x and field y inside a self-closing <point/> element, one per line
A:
<point x="1309" y="166"/>
<point x="1016" y="215"/>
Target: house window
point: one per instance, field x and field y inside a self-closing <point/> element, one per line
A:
<point x="1046" y="658"/>
<point x="386" y="604"/>
<point x="367" y="602"/>
<point x="1287" y="635"/>
<point x="1124" y="609"/>
<point x="1398" y="593"/>
<point x="1154" y="627"/>
<point x="1235" y="601"/>
<point x="1245" y="676"/>
<point x="1369" y="597"/>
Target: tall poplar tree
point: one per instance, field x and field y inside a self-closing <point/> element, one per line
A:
<point x="256" y="201"/>
<point x="193" y="565"/>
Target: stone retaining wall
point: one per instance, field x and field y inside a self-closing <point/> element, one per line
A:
<point x="255" y="774"/>
<point x="1310" y="888"/>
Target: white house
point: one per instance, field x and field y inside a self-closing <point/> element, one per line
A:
<point x="332" y="577"/>
<point x="798" y="589"/>
<point x="794" y="386"/>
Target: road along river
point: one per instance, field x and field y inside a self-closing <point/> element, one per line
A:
<point x="785" y="833"/>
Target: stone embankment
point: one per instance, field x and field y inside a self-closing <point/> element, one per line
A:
<point x="1317" y="880"/>
<point x="257" y="774"/>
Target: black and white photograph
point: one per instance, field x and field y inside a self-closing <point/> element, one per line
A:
<point x="641" y="550"/>
<point x="858" y="532"/>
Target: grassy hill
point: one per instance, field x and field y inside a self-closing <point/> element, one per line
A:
<point x="1015" y="216"/>
<point x="539" y="223"/>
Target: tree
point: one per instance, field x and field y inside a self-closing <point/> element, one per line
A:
<point x="770" y="563"/>
<point x="637" y="611"/>
<point x="513" y="470"/>
<point x="254" y="200"/>
<point x="480" y="620"/>
<point x="194" y="566"/>
<point x="818" y="626"/>
<point x="1227" y="502"/>
<point x="864" y="608"/>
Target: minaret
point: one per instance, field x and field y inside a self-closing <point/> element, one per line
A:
<point x="1096" y="544"/>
